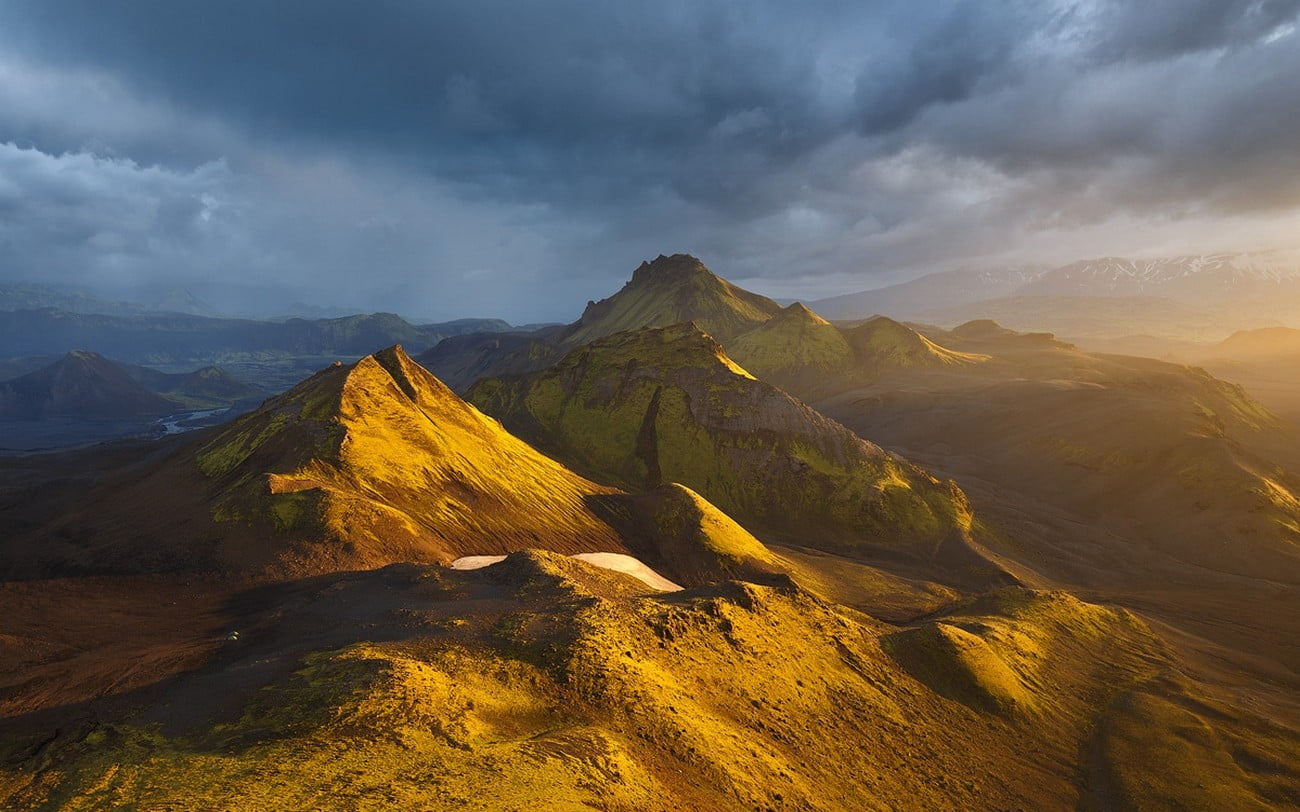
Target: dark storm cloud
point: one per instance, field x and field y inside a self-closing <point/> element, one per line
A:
<point x="524" y="90"/>
<point x="540" y="150"/>
<point x="1158" y="29"/>
<point x="946" y="59"/>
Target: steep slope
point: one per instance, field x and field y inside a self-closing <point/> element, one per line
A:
<point x="1197" y="461"/>
<point x="213" y="385"/>
<point x="984" y="333"/>
<point x="81" y="384"/>
<point x="681" y="531"/>
<point x="673" y="290"/>
<point x="356" y="467"/>
<point x="1154" y="484"/>
<point x="459" y="361"/>
<point x="1265" y="361"/>
<point x="667" y="405"/>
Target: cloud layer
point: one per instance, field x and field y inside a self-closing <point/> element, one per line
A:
<point x="517" y="158"/>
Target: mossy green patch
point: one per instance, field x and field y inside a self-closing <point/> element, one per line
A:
<point x="666" y="405"/>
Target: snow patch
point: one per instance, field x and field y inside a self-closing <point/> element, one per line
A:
<point x="617" y="562"/>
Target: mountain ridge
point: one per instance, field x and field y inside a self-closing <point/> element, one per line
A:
<point x="358" y="466"/>
<point x="658" y="405"/>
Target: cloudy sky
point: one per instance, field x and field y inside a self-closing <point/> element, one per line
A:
<point x="515" y="159"/>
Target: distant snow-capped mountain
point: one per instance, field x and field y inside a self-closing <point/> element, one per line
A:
<point x="1198" y="278"/>
<point x="1205" y="280"/>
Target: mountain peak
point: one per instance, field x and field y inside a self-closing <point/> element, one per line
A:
<point x="670" y="270"/>
<point x="80" y="384"/>
<point x="674" y="290"/>
<point x="83" y="357"/>
<point x="378" y="461"/>
<point x="801" y="312"/>
<point x="883" y="343"/>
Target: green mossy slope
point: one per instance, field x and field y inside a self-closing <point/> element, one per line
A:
<point x="673" y="290"/>
<point x="796" y="346"/>
<point x="667" y="405"/>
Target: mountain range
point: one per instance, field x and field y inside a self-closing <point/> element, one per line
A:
<point x="1192" y="296"/>
<point x="695" y="550"/>
<point x="34" y="296"/>
<point x="181" y="340"/>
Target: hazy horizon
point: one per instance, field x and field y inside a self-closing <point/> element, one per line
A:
<point x="509" y="160"/>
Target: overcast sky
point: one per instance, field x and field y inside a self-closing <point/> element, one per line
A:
<point x="514" y="159"/>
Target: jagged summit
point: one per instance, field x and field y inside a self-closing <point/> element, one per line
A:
<point x="673" y="290"/>
<point x="668" y="270"/>
<point x="400" y="469"/>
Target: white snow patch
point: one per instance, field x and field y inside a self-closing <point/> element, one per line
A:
<point x="632" y="566"/>
<point x="617" y="562"/>
<point x="476" y="562"/>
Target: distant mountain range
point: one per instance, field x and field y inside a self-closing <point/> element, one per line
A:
<point x="926" y="293"/>
<point x="34" y="296"/>
<point x="181" y="340"/>
<point x="86" y="385"/>
<point x="1192" y="296"/>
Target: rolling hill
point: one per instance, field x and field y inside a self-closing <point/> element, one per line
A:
<point x="810" y="357"/>
<point x="205" y="388"/>
<point x="542" y="682"/>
